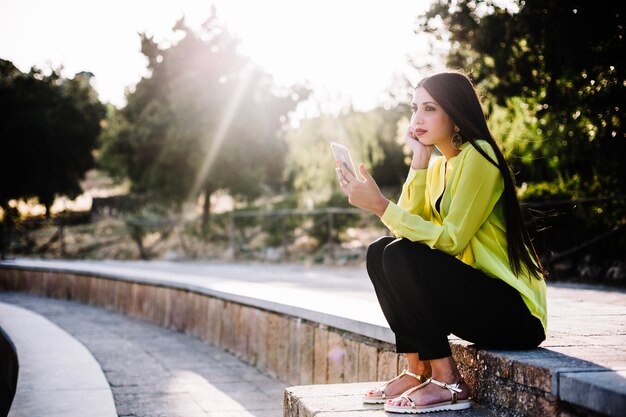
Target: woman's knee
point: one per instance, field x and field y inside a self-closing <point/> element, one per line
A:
<point x="376" y="248"/>
<point x="401" y="250"/>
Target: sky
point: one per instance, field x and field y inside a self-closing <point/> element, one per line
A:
<point x="348" y="51"/>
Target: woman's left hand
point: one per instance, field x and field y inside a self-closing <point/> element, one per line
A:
<point x="363" y="194"/>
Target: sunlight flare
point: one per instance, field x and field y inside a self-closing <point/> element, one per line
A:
<point x="222" y="129"/>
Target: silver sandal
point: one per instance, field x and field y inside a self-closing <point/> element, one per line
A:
<point x="381" y="399"/>
<point x="452" y="405"/>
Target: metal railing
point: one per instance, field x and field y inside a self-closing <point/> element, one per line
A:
<point x="327" y="215"/>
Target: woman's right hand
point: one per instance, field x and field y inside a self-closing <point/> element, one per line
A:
<point x="421" y="152"/>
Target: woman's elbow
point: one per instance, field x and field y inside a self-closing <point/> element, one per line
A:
<point x="452" y="246"/>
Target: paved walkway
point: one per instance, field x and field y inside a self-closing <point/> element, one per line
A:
<point x="158" y="372"/>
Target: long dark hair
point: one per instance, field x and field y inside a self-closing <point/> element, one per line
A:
<point x="455" y="93"/>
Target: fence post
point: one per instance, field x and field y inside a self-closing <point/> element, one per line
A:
<point x="231" y="229"/>
<point x="283" y="226"/>
<point x="331" y="249"/>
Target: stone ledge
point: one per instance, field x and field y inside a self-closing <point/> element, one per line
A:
<point x="58" y="376"/>
<point x="354" y="316"/>
<point x="601" y="391"/>
<point x="262" y="330"/>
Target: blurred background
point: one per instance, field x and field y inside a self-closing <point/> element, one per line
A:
<point x="199" y="131"/>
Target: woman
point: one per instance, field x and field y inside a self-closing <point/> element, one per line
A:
<point x="462" y="262"/>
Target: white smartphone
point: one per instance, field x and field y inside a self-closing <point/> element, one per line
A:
<point x="342" y="154"/>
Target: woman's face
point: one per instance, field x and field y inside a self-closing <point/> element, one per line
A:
<point x="431" y="125"/>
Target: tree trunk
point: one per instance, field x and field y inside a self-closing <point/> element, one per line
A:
<point x="206" y="211"/>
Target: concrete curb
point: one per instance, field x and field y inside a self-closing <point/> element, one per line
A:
<point x="58" y="376"/>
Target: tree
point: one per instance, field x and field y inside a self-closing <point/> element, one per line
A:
<point x="49" y="127"/>
<point x="371" y="136"/>
<point x="554" y="73"/>
<point x="205" y="118"/>
<point x="566" y="61"/>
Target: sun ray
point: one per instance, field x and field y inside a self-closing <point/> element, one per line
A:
<point x="220" y="134"/>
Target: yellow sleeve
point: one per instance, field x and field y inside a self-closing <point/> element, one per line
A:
<point x="413" y="196"/>
<point x="476" y="193"/>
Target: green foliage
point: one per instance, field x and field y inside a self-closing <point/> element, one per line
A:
<point x="371" y="137"/>
<point x="282" y="228"/>
<point x="206" y="118"/>
<point x="341" y="221"/>
<point x="49" y="127"/>
<point x="563" y="218"/>
<point x="565" y="60"/>
<point x="554" y="74"/>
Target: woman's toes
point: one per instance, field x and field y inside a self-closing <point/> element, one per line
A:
<point x="397" y="402"/>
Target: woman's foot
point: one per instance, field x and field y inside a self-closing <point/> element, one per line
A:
<point x="395" y="387"/>
<point x="431" y="394"/>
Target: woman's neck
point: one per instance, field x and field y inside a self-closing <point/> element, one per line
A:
<point x="448" y="151"/>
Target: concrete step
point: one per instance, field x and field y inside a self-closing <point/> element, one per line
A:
<point x="344" y="400"/>
<point x="602" y="391"/>
<point x="58" y="376"/>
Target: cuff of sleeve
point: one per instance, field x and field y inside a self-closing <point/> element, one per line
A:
<point x="392" y="216"/>
<point x="418" y="175"/>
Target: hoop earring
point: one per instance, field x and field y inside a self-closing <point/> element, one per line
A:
<point x="457" y="140"/>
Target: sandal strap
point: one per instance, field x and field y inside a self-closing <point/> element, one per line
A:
<point x="419" y="378"/>
<point x="453" y="388"/>
<point x="405" y="394"/>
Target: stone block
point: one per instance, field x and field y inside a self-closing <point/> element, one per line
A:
<point x="602" y="391"/>
<point x="387" y="365"/>
<point x="132" y="300"/>
<point x="202" y="314"/>
<point x="251" y="330"/>
<point x="530" y="404"/>
<point x="242" y="331"/>
<point x="273" y="344"/>
<point x="293" y="362"/>
<point x="368" y="363"/>
<point x="277" y="346"/>
<point x="82" y="289"/>
<point x="189" y="319"/>
<point x="146" y="304"/>
<point x="320" y="355"/>
<point x="214" y="320"/>
<point x="229" y="320"/>
<point x="351" y="361"/>
<point x="42" y="283"/>
<point x="123" y="297"/>
<point x="92" y="290"/>
<point x="108" y="294"/>
<point x="112" y="294"/>
<point x="336" y="358"/>
<point x="161" y="306"/>
<point x="64" y="287"/>
<point x="178" y="302"/>
<point x="261" y="340"/>
<point x="280" y="342"/>
<point x="533" y="376"/>
<point x="494" y="392"/>
<point x="306" y="342"/>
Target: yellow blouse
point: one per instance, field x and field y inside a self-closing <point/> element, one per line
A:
<point x="471" y="224"/>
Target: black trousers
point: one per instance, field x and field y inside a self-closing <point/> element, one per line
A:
<point x="427" y="294"/>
